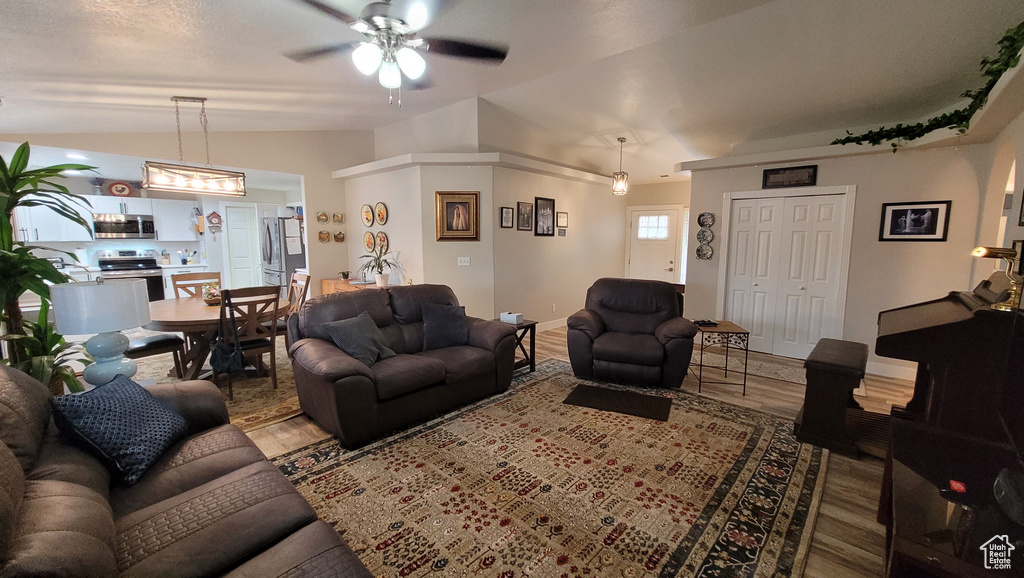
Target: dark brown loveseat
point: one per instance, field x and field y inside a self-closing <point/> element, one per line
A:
<point x="212" y="505"/>
<point x="358" y="403"/>
<point x="631" y="331"/>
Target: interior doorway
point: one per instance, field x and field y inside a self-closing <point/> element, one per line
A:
<point x="786" y="267"/>
<point x="655" y="243"/>
<point x="242" y="246"/>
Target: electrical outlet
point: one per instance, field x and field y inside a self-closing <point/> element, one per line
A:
<point x="552" y="307"/>
<point x="463" y="261"/>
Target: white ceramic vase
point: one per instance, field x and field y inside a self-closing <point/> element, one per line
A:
<point x="382" y="280"/>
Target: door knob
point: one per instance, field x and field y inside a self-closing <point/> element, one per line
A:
<point x="755" y="284"/>
<point x="803" y="288"/>
<point x="670" y="269"/>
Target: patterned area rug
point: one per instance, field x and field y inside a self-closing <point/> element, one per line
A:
<point x="762" y="367"/>
<point x="522" y="484"/>
<point x="257" y="404"/>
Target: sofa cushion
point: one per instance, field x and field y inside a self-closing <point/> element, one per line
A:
<point x="188" y="464"/>
<point x="444" y="326"/>
<point x="212" y="528"/>
<point x="24" y="414"/>
<point x="121" y="424"/>
<point x="407" y="301"/>
<point x="638" y="348"/>
<point x="343" y="305"/>
<point x="64" y="462"/>
<point x="12" y="486"/>
<point x="316" y="550"/>
<point x="63" y="529"/>
<point x="463" y="362"/>
<point x="403" y="374"/>
<point x="360" y="338"/>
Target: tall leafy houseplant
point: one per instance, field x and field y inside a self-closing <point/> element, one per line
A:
<point x="20" y="270"/>
<point x="378" y="262"/>
<point x="48" y="354"/>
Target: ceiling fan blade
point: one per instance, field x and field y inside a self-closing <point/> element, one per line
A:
<point x="421" y="83"/>
<point x="331" y="11"/>
<point x="462" y="49"/>
<point x="315" y="53"/>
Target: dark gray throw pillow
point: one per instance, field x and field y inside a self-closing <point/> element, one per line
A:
<point x="359" y="337"/>
<point x="120" y="423"/>
<point x="444" y="326"/>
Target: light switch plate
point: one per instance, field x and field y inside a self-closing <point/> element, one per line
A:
<point x="463" y="261"/>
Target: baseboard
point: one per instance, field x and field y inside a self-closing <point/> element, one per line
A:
<point x="889" y="370"/>
<point x="554" y="324"/>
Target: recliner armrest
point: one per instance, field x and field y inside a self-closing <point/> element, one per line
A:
<point x="487" y="334"/>
<point x="327" y="361"/>
<point x="675" y="328"/>
<point x="586" y="321"/>
<point x="199" y="402"/>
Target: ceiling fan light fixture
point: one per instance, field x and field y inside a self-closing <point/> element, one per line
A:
<point x="620" y="179"/>
<point x="411" y="63"/>
<point x="367" y="58"/>
<point x="390" y="76"/>
<point x="418" y="16"/>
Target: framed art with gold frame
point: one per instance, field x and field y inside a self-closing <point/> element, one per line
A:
<point x="458" y="215"/>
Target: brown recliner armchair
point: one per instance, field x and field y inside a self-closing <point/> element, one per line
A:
<point x="631" y="331"/>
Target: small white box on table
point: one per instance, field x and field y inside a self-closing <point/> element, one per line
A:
<point x="509" y="317"/>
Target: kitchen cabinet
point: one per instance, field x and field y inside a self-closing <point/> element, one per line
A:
<point x="168" y="271"/>
<point x="173" y="220"/>
<point x="34" y="224"/>
<point x="121" y="205"/>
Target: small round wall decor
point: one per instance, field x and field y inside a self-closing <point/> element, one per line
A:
<point x="321" y="217"/>
<point x="120" y="189"/>
<point x="369" y="242"/>
<point x="382" y="241"/>
<point x="339" y="237"/>
<point x="704" y="252"/>
<point x="706" y="219"/>
<point x="381" y="211"/>
<point x="323" y="236"/>
<point x="366" y="211"/>
<point x="705" y="236"/>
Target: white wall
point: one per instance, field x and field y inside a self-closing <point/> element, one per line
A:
<point x="533" y="273"/>
<point x="883" y="275"/>
<point x="311" y="154"/>
<point x="670" y="193"/>
<point x="399" y="190"/>
<point x="446" y="130"/>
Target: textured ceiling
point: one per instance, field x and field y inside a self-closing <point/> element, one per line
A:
<point x="688" y="78"/>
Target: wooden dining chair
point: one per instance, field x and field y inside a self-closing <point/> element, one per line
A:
<point x="298" y="288"/>
<point x="191" y="284"/>
<point x="252" y="306"/>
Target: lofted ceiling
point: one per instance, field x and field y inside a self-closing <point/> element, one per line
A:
<point x="682" y="79"/>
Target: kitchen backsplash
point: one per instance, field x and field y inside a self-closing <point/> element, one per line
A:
<point x="90" y="248"/>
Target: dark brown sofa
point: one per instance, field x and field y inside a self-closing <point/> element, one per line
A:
<point x="357" y="403"/>
<point x="631" y="331"/>
<point x="212" y="505"/>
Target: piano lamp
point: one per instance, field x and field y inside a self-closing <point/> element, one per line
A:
<point x="1010" y="256"/>
<point x="104" y="307"/>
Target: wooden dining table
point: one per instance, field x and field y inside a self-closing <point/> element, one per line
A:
<point x="198" y="322"/>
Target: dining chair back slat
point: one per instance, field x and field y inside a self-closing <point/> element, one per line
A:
<point x="297" y="289"/>
<point x="191" y="284"/>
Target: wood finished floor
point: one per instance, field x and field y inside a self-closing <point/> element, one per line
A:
<point x="846" y="542"/>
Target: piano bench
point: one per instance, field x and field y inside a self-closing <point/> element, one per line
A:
<point x="834" y="369"/>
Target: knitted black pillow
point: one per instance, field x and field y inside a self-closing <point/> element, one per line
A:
<point x="120" y="423"/>
<point x="444" y="326"/>
<point x="359" y="337"/>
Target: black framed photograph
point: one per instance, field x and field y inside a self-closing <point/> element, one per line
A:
<point x="544" y="217"/>
<point x="524" y="220"/>
<point x="806" y="176"/>
<point x="507" y="217"/>
<point x="562" y="220"/>
<point x="925" y="221"/>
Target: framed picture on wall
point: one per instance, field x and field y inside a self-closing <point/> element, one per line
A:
<point x="562" y="220"/>
<point x="524" y="220"/>
<point x="927" y="221"/>
<point x="508" y="215"/>
<point x="544" y="217"/>
<point x="458" y="215"/>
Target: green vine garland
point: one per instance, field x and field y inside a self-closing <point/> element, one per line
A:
<point x="960" y="119"/>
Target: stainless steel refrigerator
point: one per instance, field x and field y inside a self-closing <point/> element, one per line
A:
<point x="282" y="250"/>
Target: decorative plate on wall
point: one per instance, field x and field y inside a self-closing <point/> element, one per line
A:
<point x="338" y="218"/>
<point x="367" y="213"/>
<point x="704" y="236"/>
<point x="382" y="213"/>
<point x="369" y="242"/>
<point x="322" y="217"/>
<point x="706" y="219"/>
<point x="339" y="237"/>
<point x="704" y="252"/>
<point x="323" y="236"/>
<point x="382" y="241"/>
<point x="120" y="189"/>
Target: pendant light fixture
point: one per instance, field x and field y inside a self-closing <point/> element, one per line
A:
<point x="620" y="179"/>
<point x="182" y="178"/>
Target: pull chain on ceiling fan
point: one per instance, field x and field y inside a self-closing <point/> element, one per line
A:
<point x="392" y="47"/>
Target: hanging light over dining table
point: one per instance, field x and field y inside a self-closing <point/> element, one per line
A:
<point x="183" y="178"/>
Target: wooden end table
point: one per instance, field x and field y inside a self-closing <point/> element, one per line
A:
<point x="734" y="337"/>
<point x="528" y="326"/>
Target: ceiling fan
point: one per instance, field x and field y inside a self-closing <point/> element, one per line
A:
<point x="392" y="46"/>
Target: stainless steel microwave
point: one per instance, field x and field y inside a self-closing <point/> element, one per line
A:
<point x="118" y="226"/>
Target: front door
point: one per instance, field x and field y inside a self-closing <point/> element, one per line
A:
<point x="654" y="247"/>
<point x="242" y="243"/>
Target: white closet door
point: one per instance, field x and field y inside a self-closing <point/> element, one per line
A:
<point x="755" y="233"/>
<point x="807" y="298"/>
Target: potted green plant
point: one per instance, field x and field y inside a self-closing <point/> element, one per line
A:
<point x="22" y="270"/>
<point x="378" y="262"/>
<point x="48" y="356"/>
<point x="344" y="274"/>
